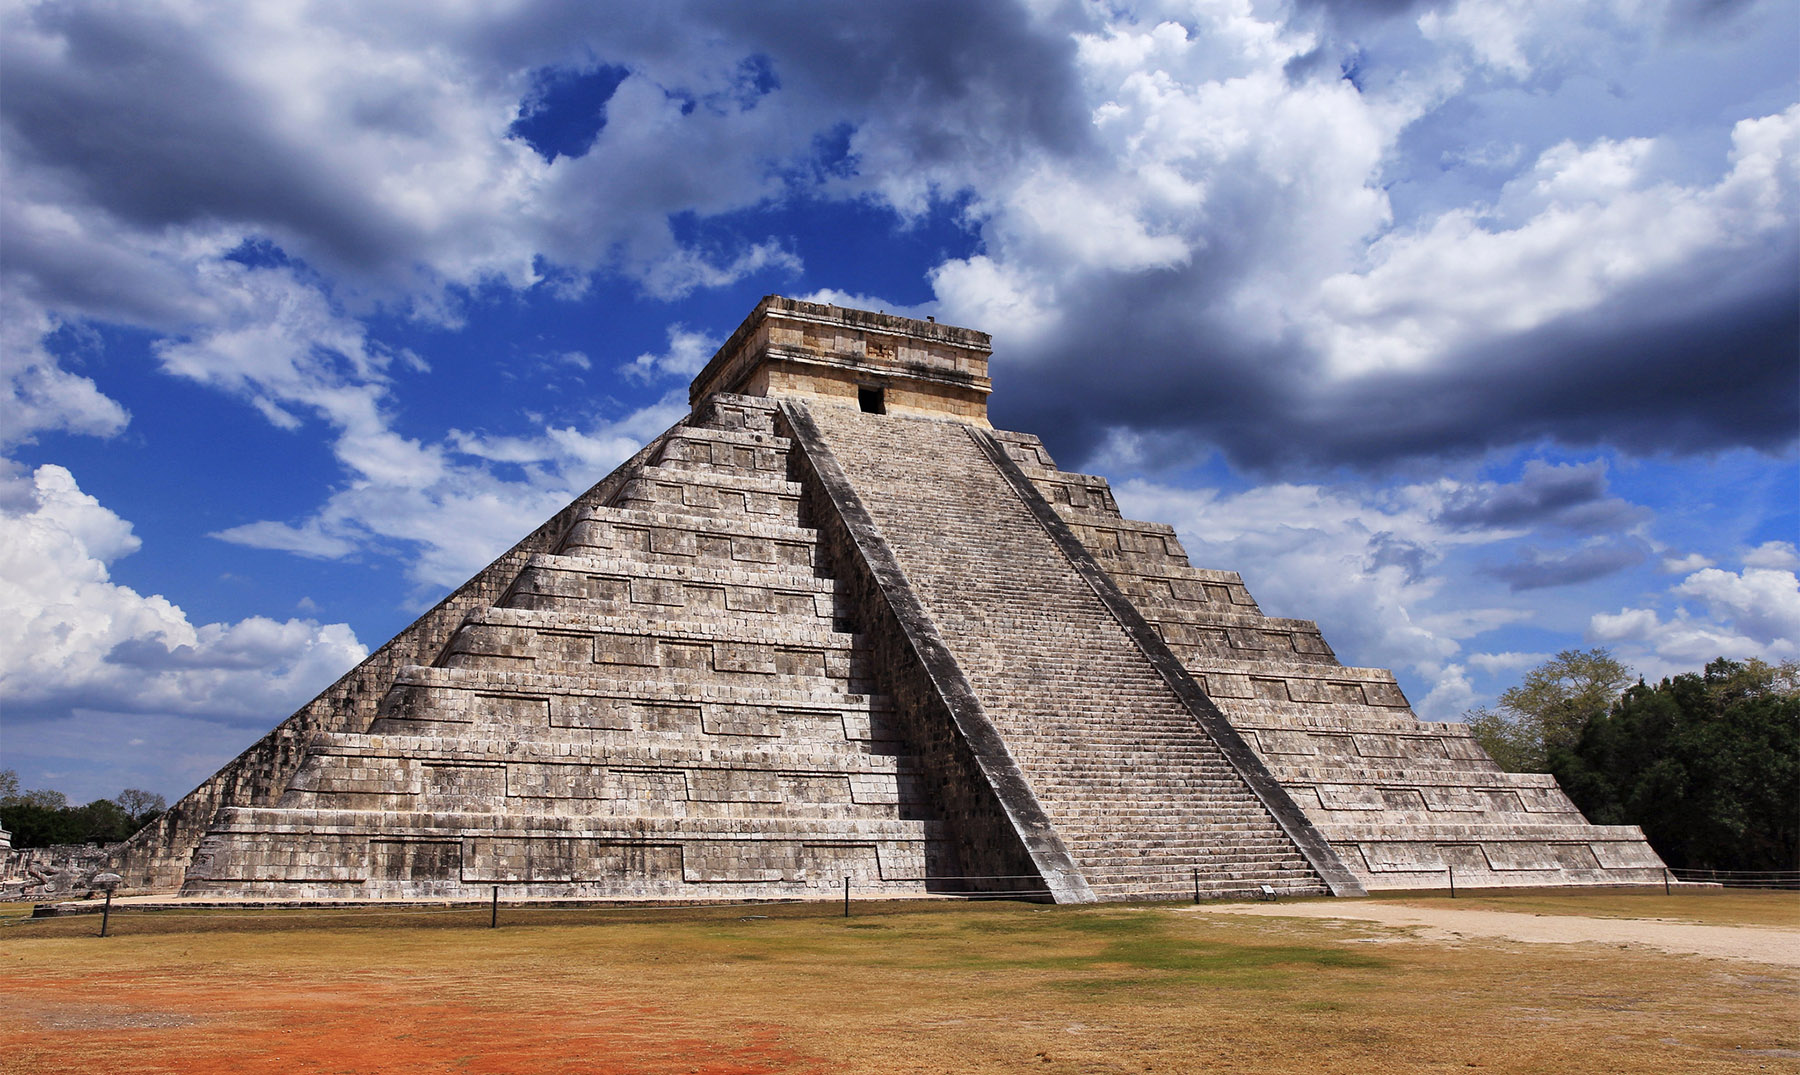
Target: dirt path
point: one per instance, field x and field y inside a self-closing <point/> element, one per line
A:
<point x="1753" y="944"/>
<point x="148" y="1025"/>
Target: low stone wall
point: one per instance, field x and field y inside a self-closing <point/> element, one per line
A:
<point x="61" y="871"/>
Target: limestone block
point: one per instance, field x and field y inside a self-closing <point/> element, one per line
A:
<point x="857" y="726"/>
<point x="637" y="650"/>
<point x="1532" y="855"/>
<point x="577" y="781"/>
<point x="690" y="655"/>
<point x="1455" y="799"/>
<point x="463" y="787"/>
<point x="414" y="860"/>
<point x="580" y="711"/>
<point x="1307" y="691"/>
<point x="733" y="785"/>
<point x="1625" y="855"/>
<point x="744" y="657"/>
<point x="740" y="861"/>
<point x="501" y="860"/>
<point x="649" y="784"/>
<point x="1226" y="685"/>
<point x="666" y="717"/>
<point x="1350" y="797"/>
<point x="654" y="591"/>
<point x="1274" y="741"/>
<point x="743" y="720"/>
<point x="874" y="788"/>
<point x="667" y="541"/>
<point x="1390" y="857"/>
<point x="833" y="788"/>
<point x="1549" y="800"/>
<point x="826" y="863"/>
<point x="1384" y="694"/>
<point x="758" y="551"/>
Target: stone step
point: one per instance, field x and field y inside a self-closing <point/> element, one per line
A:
<point x="811" y="675"/>
<point x="697" y="591"/>
<point x="698" y="447"/>
<point x="823" y="756"/>
<point x="704" y="492"/>
<point x="655" y="802"/>
<point x="1257" y="717"/>
<point x="1543" y="828"/>
<point x="810" y="632"/>
<point x="550" y="826"/>
<point x="666" y="652"/>
<point x="450" y="701"/>
<point x="623" y="564"/>
<point x="669" y="537"/>
<point x="1088" y="719"/>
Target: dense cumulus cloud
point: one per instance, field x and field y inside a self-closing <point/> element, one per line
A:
<point x="1349" y="250"/>
<point x="1168" y="197"/>
<point x="73" y="635"/>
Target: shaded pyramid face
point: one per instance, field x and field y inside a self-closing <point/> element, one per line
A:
<point x="832" y="626"/>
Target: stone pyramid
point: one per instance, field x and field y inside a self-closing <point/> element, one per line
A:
<point x="833" y="625"/>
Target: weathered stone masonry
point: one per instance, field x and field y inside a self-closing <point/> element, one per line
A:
<point x="831" y="625"/>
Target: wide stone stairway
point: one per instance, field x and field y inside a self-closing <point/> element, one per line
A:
<point x="1405" y="803"/>
<point x="1138" y="793"/>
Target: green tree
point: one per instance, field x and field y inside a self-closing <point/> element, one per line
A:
<point x="142" y="806"/>
<point x="1549" y="709"/>
<point x="43" y="817"/>
<point x="1707" y="764"/>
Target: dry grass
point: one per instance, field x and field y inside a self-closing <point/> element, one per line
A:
<point x="897" y="988"/>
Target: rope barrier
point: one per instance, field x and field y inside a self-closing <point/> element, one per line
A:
<point x="1783" y="879"/>
<point x="1170" y="877"/>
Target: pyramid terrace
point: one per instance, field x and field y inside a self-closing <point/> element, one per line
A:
<point x="832" y="625"/>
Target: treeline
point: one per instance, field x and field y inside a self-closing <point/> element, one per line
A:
<point x="42" y="818"/>
<point x="1707" y="763"/>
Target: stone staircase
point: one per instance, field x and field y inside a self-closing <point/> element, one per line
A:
<point x="665" y="707"/>
<point x="1138" y="793"/>
<point x="1403" y="801"/>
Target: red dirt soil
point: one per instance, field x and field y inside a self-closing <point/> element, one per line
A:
<point x="140" y="1025"/>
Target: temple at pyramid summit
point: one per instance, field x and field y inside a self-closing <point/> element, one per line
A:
<point x="832" y="625"/>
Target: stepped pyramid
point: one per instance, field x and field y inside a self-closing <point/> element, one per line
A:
<point x="833" y="625"/>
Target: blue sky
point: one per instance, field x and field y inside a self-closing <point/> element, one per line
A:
<point x="1466" y="328"/>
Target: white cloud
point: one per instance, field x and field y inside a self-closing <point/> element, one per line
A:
<point x="1510" y="661"/>
<point x="445" y="511"/>
<point x="1711" y="613"/>
<point x="36" y="393"/>
<point x="1363" y="562"/>
<point x="1202" y="163"/>
<point x="687" y="353"/>
<point x="75" y="638"/>
<point x="1761" y="601"/>
<point x="1771" y="554"/>
<point x="1595" y="222"/>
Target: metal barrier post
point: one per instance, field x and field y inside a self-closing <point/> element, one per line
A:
<point x="1452" y="870"/>
<point x="846" y="897"/>
<point x="107" y="881"/>
<point x="1196" y="884"/>
<point x="494" y="909"/>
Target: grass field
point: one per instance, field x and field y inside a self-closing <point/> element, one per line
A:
<point x="896" y="988"/>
